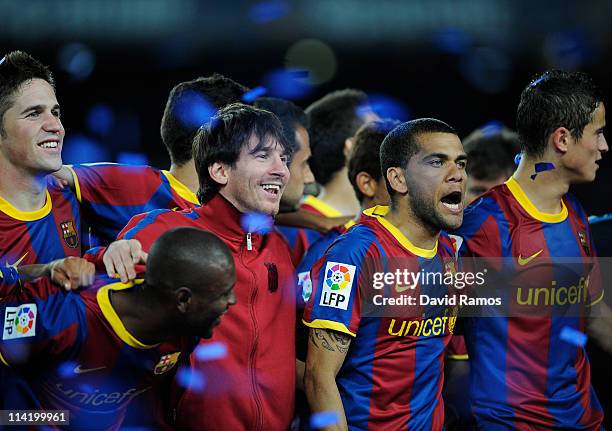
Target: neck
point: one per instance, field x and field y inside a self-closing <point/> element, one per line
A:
<point x="339" y="194"/>
<point x="135" y="310"/>
<point x="419" y="233"/>
<point x="546" y="190"/>
<point x="22" y="190"/>
<point x="186" y="174"/>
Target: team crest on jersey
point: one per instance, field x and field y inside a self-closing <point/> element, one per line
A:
<point x="337" y="285"/>
<point x="19" y="322"/>
<point x="449" y="267"/>
<point x="166" y="363"/>
<point x="583" y="243"/>
<point x="305" y="283"/>
<point x="457" y="241"/>
<point x="69" y="233"/>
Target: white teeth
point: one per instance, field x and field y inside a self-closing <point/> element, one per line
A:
<point x="49" y="145"/>
<point x="453" y="207"/>
<point x="272" y="187"/>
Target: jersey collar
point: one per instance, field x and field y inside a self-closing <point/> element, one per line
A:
<point x="13" y="212"/>
<point x="530" y="208"/>
<point x="321" y="207"/>
<point x="103" y="297"/>
<point x="181" y="189"/>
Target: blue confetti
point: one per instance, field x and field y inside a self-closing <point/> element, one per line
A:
<point x="100" y="119"/>
<point x="385" y="107"/>
<point x="542" y="167"/>
<point x="288" y="83"/>
<point x="324" y="419"/>
<point x="3" y="60"/>
<point x="573" y="336"/>
<point x="78" y="60"/>
<point x="253" y="94"/>
<point x="66" y="369"/>
<point x="269" y="11"/>
<point x="257" y="223"/>
<point x="210" y="352"/>
<point x="193" y="109"/>
<point x="190" y="378"/>
<point x="83" y="149"/>
<point x="132" y="158"/>
<point x="492" y="128"/>
<point x="517" y="159"/>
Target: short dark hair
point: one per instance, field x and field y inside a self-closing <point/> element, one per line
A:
<point x="333" y="119"/>
<point x="178" y="136"/>
<point x="290" y="115"/>
<point x="18" y="67"/>
<point x="491" y="153"/>
<point x="222" y="138"/>
<point x="402" y="143"/>
<point x="555" y="99"/>
<point x="186" y="256"/>
<point x="365" y="154"/>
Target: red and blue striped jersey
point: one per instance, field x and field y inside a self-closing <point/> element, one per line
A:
<point x="300" y="239"/>
<point x="526" y="372"/>
<point x="111" y="194"/>
<point x="75" y="354"/>
<point x="52" y="232"/>
<point x="392" y="375"/>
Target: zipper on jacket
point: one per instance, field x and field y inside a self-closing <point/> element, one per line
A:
<point x="259" y="422"/>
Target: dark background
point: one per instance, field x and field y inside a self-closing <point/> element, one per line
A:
<point x="464" y="62"/>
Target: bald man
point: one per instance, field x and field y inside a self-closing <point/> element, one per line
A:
<point x="117" y="344"/>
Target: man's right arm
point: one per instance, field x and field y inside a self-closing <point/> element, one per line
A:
<point x="326" y="353"/>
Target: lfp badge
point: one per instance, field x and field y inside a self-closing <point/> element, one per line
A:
<point x="337" y="285"/>
<point x="19" y="322"/>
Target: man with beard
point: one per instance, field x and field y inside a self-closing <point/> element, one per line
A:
<point x="382" y="368"/>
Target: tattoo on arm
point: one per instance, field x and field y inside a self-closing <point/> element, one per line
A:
<point x="333" y="341"/>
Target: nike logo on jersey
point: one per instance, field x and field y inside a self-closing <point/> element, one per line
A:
<point x="399" y="288"/>
<point x="79" y="370"/>
<point x="522" y="261"/>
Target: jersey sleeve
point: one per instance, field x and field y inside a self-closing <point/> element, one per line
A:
<point x="41" y="324"/>
<point x="110" y="194"/>
<point x="147" y="227"/>
<point x="337" y="278"/>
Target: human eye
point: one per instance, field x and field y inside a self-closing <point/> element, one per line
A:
<point x="33" y="114"/>
<point x="436" y="163"/>
<point x="462" y="164"/>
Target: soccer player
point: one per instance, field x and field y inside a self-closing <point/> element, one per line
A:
<point x="491" y="151"/>
<point x="241" y="158"/>
<point x="369" y="186"/>
<point x="118" y="346"/>
<point x="386" y="372"/>
<point x="334" y="119"/>
<point x="529" y="369"/>
<point x="111" y="194"/>
<point x="38" y="223"/>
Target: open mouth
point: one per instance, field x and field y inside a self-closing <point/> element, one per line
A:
<point x="272" y="189"/>
<point x="453" y="201"/>
<point x="50" y="144"/>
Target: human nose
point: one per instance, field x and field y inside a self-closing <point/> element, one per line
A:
<point x="53" y="123"/>
<point x="308" y="175"/>
<point x="280" y="167"/>
<point x="456" y="173"/>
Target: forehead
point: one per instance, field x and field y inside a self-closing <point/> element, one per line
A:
<point x="255" y="144"/>
<point x="302" y="138"/>
<point x="446" y="143"/>
<point x="34" y="92"/>
<point x="599" y="116"/>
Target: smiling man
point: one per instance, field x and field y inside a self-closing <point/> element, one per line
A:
<point x="527" y="373"/>
<point x="373" y="365"/>
<point x="38" y="223"/>
<point x="241" y="159"/>
<point x="112" y="350"/>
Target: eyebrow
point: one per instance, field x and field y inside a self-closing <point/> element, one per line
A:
<point x="39" y="108"/>
<point x="443" y="156"/>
